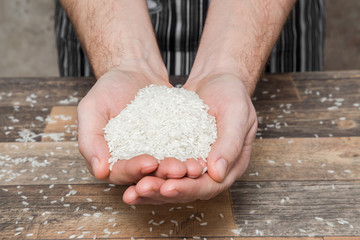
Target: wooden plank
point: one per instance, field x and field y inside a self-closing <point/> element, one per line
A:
<point x="341" y="238"/>
<point x="50" y="91"/>
<point x="43" y="91"/>
<point x="326" y="92"/>
<point x="295" y="111"/>
<point x="287" y="116"/>
<point x="42" y="163"/>
<point x="300" y="124"/>
<point x="270" y="86"/>
<point x="63" y="119"/>
<point x="83" y="210"/>
<point x="303" y="123"/>
<point x="297" y="208"/>
<point x="278" y="238"/>
<point x="328" y="107"/>
<point x="272" y="159"/>
<point x="276" y="88"/>
<point x="310" y="118"/>
<point x="305" y="159"/>
<point x="337" y="75"/>
<point x="12" y="122"/>
<point x="273" y="238"/>
<point x="56" y="89"/>
<point x="310" y="208"/>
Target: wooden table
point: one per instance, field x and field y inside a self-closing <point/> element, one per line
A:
<point x="303" y="181"/>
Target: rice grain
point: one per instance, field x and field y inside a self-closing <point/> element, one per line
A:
<point x="162" y="122"/>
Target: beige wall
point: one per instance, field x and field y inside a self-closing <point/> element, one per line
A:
<point x="27" y="43"/>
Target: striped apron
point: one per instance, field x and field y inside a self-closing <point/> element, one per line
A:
<point x="178" y="25"/>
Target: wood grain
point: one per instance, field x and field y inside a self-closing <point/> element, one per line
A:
<point x="93" y="210"/>
<point x="297" y="208"/>
<point x="43" y="92"/>
<point x="304" y="159"/>
<point x="310" y="208"/>
<point x="274" y="238"/>
<point x="272" y="160"/>
<point x="42" y="163"/>
<point x="63" y="119"/>
<point x="336" y="75"/>
<point x="13" y="122"/>
<point x="329" y="107"/>
<point x="341" y="238"/>
<point x="278" y="196"/>
<point x="276" y="88"/>
<point x="288" y="105"/>
<point x="278" y="238"/>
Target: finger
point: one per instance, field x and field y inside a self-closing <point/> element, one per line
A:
<point x="204" y="187"/>
<point x="130" y="195"/>
<point x="232" y="128"/>
<point x="149" y="187"/>
<point x="193" y="168"/>
<point x="146" y="191"/>
<point x="132" y="198"/>
<point x="171" y="168"/>
<point x="151" y="201"/>
<point x="92" y="144"/>
<point x="132" y="170"/>
<point x="188" y="189"/>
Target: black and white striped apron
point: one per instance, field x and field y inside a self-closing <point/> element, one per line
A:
<point x="178" y="25"/>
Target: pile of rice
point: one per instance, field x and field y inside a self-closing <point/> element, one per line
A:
<point x="162" y="122"/>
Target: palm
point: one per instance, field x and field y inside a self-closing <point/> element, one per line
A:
<point x="229" y="102"/>
<point x="108" y="97"/>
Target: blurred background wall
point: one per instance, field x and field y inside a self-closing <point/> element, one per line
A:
<point x="27" y="44"/>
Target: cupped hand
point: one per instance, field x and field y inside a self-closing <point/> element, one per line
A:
<point x="111" y="93"/>
<point x="230" y="103"/>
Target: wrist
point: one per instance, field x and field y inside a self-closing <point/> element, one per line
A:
<point x="129" y="54"/>
<point x="115" y="33"/>
<point x="225" y="66"/>
<point x="238" y="37"/>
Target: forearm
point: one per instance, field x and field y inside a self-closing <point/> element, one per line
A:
<point x="115" y="33"/>
<point x="238" y="37"/>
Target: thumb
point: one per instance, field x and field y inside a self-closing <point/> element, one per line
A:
<point x="225" y="151"/>
<point x="94" y="150"/>
<point x="233" y="132"/>
<point x="92" y="144"/>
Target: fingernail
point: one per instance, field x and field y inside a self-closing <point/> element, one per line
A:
<point x="171" y="193"/>
<point x="95" y="163"/>
<point x="221" y="166"/>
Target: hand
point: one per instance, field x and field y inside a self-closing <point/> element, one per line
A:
<point x="231" y="105"/>
<point x="121" y="45"/>
<point x="111" y="93"/>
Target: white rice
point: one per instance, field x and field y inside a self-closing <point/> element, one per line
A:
<point x="162" y="122"/>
